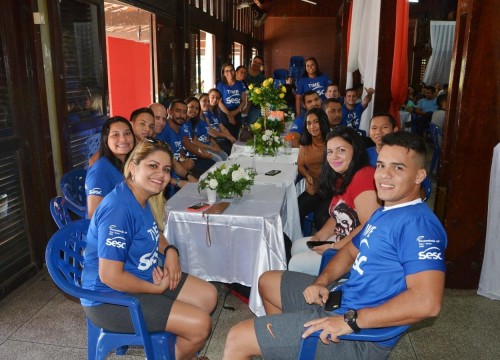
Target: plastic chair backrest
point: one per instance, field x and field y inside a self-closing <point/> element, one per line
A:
<point x="92" y="143"/>
<point x="59" y="211"/>
<point x="436" y="136"/>
<point x="73" y="189"/>
<point x="64" y="259"/>
<point x="279" y="76"/>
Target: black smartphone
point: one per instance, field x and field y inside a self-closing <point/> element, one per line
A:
<point x="314" y="243"/>
<point x="273" y="172"/>
<point x="334" y="300"/>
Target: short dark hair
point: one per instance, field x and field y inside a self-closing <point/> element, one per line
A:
<point x="143" y="110"/>
<point x="307" y="93"/>
<point x="332" y="100"/>
<point x="332" y="183"/>
<point x="387" y="115"/>
<point x="175" y="101"/>
<point x="431" y="88"/>
<point x="240" y="67"/>
<point x="103" y="146"/>
<point x="350" y="89"/>
<point x="409" y="141"/>
<point x="258" y="57"/>
<point x="441" y="99"/>
<point x="324" y="126"/>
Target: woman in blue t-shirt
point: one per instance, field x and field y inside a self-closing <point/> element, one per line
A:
<point x="233" y="99"/>
<point x="117" y="142"/>
<point x="123" y="241"/>
<point x="312" y="79"/>
<point x="211" y="115"/>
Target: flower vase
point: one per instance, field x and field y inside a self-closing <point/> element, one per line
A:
<point x="265" y="111"/>
<point x="211" y="196"/>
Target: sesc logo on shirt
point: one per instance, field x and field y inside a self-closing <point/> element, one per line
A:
<point x="117" y="242"/>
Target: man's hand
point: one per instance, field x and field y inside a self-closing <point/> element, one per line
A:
<point x="315" y="294"/>
<point x="332" y="326"/>
<point x="370" y="91"/>
<point x="172" y="269"/>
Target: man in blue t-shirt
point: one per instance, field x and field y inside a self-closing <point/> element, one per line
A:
<point x="352" y="110"/>
<point x="396" y="266"/>
<point x="310" y="100"/>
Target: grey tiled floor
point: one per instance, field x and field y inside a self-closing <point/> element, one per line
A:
<point x="39" y="322"/>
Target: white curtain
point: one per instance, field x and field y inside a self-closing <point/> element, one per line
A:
<point x="442" y="36"/>
<point x="363" y="49"/>
<point x="489" y="283"/>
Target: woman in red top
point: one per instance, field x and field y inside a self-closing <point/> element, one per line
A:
<point x="347" y="176"/>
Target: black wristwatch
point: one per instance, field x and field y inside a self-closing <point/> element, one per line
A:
<point x="350" y="317"/>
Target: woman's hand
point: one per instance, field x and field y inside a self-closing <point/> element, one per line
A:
<point x="231" y="118"/>
<point x="160" y="280"/>
<point x="172" y="269"/>
<point x="321" y="249"/>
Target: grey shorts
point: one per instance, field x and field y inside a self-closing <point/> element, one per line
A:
<point x="279" y="336"/>
<point x="155" y="309"/>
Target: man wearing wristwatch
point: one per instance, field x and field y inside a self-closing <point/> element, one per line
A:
<point x="396" y="275"/>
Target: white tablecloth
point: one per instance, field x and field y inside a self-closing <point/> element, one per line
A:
<point x="489" y="283"/>
<point x="246" y="240"/>
<point x="241" y="150"/>
<point x="285" y="179"/>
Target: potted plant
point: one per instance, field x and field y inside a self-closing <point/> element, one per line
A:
<point x="228" y="181"/>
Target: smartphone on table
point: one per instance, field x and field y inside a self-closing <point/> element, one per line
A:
<point x="198" y="207"/>
<point x="272" y="172"/>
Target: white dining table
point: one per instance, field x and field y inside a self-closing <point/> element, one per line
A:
<point x="285" y="179"/>
<point x="242" y="150"/>
<point x="245" y="241"/>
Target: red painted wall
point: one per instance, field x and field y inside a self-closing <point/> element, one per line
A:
<point x="129" y="75"/>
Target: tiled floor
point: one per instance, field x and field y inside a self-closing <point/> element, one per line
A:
<point x="39" y="322"/>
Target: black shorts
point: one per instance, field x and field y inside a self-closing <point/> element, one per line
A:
<point x="155" y="309"/>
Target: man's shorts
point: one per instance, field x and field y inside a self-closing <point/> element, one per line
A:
<point x="279" y="336"/>
<point x="155" y="309"/>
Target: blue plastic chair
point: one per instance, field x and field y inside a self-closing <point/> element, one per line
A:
<point x="296" y="67"/>
<point x="309" y="344"/>
<point x="436" y="135"/>
<point x="59" y="211"/>
<point x="64" y="258"/>
<point x="73" y="189"/>
<point x="279" y="76"/>
<point x="92" y="144"/>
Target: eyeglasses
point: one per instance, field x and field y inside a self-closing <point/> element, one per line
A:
<point x="154" y="141"/>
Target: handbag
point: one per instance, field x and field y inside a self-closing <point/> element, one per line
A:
<point x="217" y="208"/>
<point x="245" y="133"/>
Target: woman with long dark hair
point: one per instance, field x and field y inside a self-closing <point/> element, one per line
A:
<point x="117" y="142"/>
<point x="211" y="115"/>
<point x="310" y="159"/>
<point x="312" y="79"/>
<point x="347" y="176"/>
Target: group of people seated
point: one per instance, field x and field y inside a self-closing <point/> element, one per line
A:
<point x="367" y="205"/>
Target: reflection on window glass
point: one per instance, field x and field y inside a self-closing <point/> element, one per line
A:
<point x="82" y="64"/>
<point x="5" y="113"/>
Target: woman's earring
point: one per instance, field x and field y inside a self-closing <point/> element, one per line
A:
<point x="133" y="178"/>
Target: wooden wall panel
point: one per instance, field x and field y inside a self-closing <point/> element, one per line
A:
<point x="307" y="37"/>
<point x="471" y="131"/>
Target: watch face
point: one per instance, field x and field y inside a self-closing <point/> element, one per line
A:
<point x="349" y="315"/>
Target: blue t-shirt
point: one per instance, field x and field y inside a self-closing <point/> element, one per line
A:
<point x="231" y="94"/>
<point x="395" y="242"/>
<point x="298" y="124"/>
<point x="372" y="156"/>
<point x="120" y="230"/>
<point x="352" y="118"/>
<point x="427" y="105"/>
<point x="212" y="119"/>
<point x="174" y="139"/>
<point x="201" y="132"/>
<point x="319" y="84"/>
<point x="102" y="178"/>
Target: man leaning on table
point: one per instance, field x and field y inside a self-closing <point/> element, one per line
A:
<point x="397" y="274"/>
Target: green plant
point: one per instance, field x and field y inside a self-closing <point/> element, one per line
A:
<point x="267" y="95"/>
<point x="228" y="181"/>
